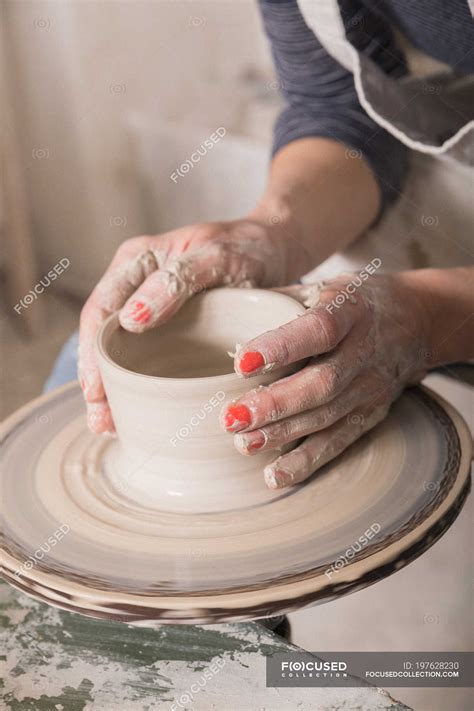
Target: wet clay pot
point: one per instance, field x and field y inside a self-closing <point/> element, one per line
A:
<point x="166" y="389"/>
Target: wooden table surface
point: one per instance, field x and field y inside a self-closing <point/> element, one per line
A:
<point x="52" y="660"/>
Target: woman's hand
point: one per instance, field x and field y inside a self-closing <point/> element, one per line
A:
<point x="151" y="277"/>
<point x="365" y="342"/>
<point x="287" y="233"/>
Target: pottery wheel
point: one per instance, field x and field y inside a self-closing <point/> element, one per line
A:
<point x="364" y="516"/>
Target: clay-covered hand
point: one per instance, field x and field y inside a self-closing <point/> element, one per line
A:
<point x="150" y="277"/>
<point x="365" y="342"/>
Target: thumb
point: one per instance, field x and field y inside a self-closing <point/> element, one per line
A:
<point x="166" y="290"/>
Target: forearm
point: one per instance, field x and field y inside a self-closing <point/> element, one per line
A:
<point x="446" y="297"/>
<point x="319" y="198"/>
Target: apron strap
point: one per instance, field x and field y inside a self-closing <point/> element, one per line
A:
<point x="427" y="121"/>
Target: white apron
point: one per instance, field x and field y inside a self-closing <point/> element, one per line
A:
<point x="431" y="224"/>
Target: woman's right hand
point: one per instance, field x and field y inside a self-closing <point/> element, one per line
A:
<point x="151" y="277"/>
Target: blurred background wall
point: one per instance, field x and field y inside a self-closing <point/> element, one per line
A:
<point x="108" y="97"/>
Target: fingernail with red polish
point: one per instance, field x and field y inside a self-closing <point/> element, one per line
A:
<point x="236" y="417"/>
<point x="138" y="312"/>
<point x="251" y="361"/>
<point x="141" y="313"/>
<point x="250" y="441"/>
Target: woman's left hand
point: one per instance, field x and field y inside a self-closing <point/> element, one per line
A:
<point x="365" y="340"/>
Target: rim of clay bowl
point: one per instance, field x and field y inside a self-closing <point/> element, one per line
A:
<point x="114" y="318"/>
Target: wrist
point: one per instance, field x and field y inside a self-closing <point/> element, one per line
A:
<point x="410" y="292"/>
<point x="443" y="303"/>
<point x="283" y="229"/>
<point x="310" y="179"/>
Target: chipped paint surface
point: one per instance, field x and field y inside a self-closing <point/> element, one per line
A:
<point x="59" y="661"/>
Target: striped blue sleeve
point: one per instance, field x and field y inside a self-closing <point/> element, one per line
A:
<point x="320" y="93"/>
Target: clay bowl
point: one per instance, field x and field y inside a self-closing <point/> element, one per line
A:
<point x="166" y="388"/>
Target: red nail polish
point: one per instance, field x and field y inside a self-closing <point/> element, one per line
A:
<point x="250" y="361"/>
<point x="237" y="417"/>
<point x="142" y="316"/>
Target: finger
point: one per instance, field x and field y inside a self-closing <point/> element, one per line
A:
<point x="310" y="387"/>
<point x="165" y="291"/>
<point x="99" y="417"/>
<point x="317" y="331"/>
<point x="319" y="448"/>
<point x="91" y="318"/>
<point x="316" y="384"/>
<point x="119" y="281"/>
<point x="277" y="434"/>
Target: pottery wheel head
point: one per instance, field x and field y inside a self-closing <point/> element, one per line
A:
<point x="77" y="536"/>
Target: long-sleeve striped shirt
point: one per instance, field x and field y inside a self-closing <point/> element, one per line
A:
<point x="320" y="93"/>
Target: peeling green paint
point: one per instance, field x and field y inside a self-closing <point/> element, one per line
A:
<point x="61" y="661"/>
<point x="17" y="671"/>
<point x="71" y="699"/>
<point x="187" y="643"/>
